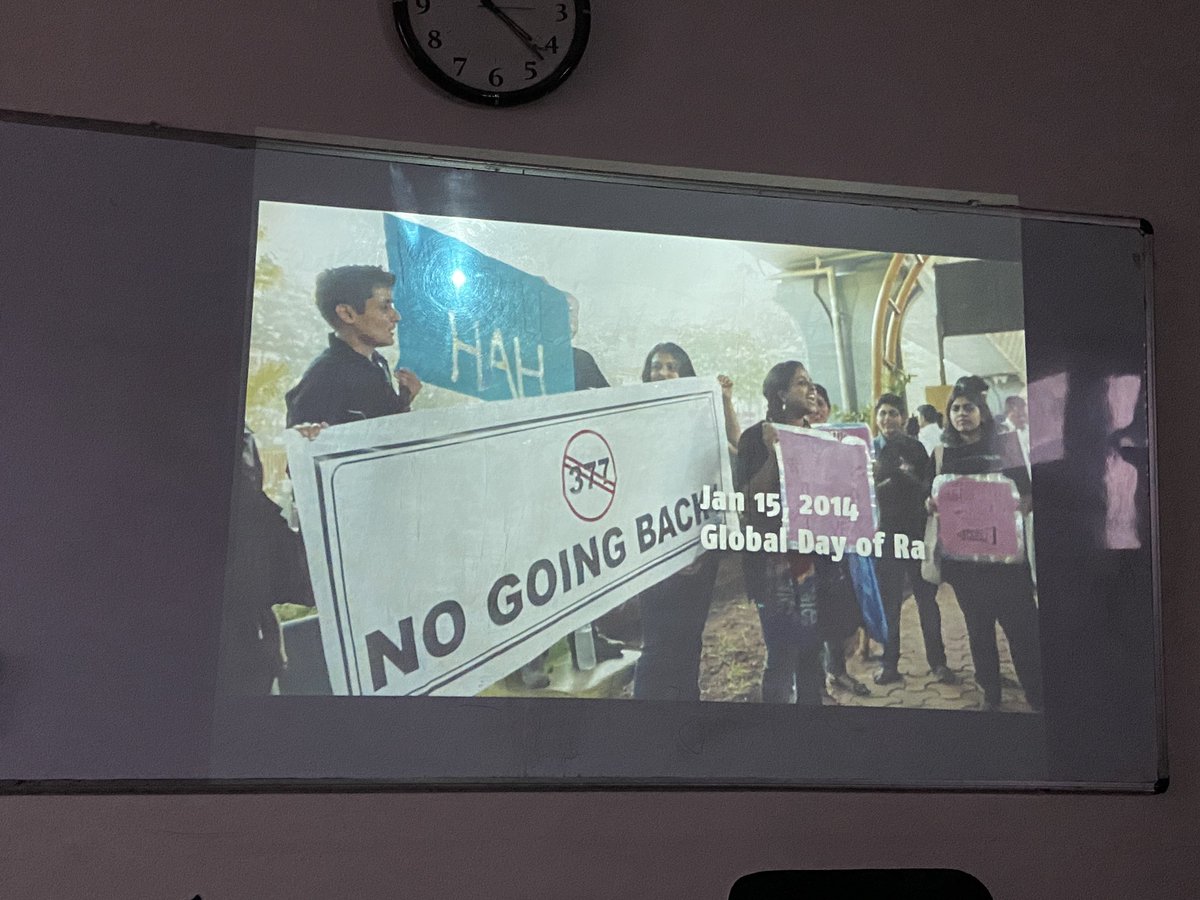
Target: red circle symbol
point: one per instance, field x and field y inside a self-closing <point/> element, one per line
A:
<point x="589" y="475"/>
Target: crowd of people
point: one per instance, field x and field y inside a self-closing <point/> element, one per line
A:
<point x="809" y="605"/>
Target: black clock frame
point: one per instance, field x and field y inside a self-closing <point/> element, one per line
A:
<point x="412" y="44"/>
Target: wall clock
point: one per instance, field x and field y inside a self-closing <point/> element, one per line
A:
<point x="496" y="52"/>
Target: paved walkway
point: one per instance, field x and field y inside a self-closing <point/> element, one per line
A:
<point x="919" y="688"/>
<point x="734" y="654"/>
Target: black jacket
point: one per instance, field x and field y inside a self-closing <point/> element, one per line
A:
<point x="901" y="485"/>
<point x="341" y="385"/>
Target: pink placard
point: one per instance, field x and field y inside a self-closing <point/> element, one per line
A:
<point x="977" y="517"/>
<point x="826" y="485"/>
<point x="841" y="430"/>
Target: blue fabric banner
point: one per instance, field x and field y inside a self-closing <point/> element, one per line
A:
<point x="866" y="588"/>
<point x="474" y="324"/>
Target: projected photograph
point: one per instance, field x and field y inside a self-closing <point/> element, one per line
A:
<point x="486" y="458"/>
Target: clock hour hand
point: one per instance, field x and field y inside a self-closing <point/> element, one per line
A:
<point x="516" y="29"/>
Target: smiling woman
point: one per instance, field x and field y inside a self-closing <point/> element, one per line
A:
<point x="782" y="587"/>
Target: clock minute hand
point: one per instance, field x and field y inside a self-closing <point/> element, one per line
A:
<point x="516" y="29"/>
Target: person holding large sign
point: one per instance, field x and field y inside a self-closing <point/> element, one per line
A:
<point x="675" y="611"/>
<point x="835" y="637"/>
<point x="990" y="591"/>
<point x="782" y="586"/>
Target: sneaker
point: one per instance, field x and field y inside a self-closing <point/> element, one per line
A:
<point x="944" y="674"/>
<point x="888" y="675"/>
<point x="606" y="647"/>
<point x="851" y="684"/>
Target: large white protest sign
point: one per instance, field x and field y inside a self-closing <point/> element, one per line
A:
<point x="449" y="547"/>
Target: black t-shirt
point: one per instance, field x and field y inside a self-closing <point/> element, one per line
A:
<point x="750" y="456"/>
<point x="1001" y="452"/>
<point x="341" y="385"/>
<point x="901" y="464"/>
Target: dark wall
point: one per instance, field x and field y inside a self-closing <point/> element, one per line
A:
<point x="1084" y="107"/>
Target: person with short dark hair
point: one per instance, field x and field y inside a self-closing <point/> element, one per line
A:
<point x="1016" y="413"/>
<point x="821" y="414"/>
<point x="930" y="421"/>
<point x="350" y="380"/>
<point x="900" y="491"/>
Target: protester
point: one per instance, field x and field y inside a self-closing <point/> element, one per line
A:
<point x="782" y="586"/>
<point x="1017" y="415"/>
<point x="675" y="610"/>
<point x="587" y="377"/>
<point x="587" y="373"/>
<point x="836" y="628"/>
<point x="990" y="592"/>
<point x="535" y="673"/>
<point x="668" y="361"/>
<point x="821" y="414"/>
<point x="350" y="381"/>
<point x="901" y="464"/>
<point x="930" y="421"/>
<point x="265" y="567"/>
<point x="1018" y="419"/>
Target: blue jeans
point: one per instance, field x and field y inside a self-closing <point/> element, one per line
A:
<point x="787" y="610"/>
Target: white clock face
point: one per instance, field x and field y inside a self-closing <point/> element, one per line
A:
<point x="497" y="52"/>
